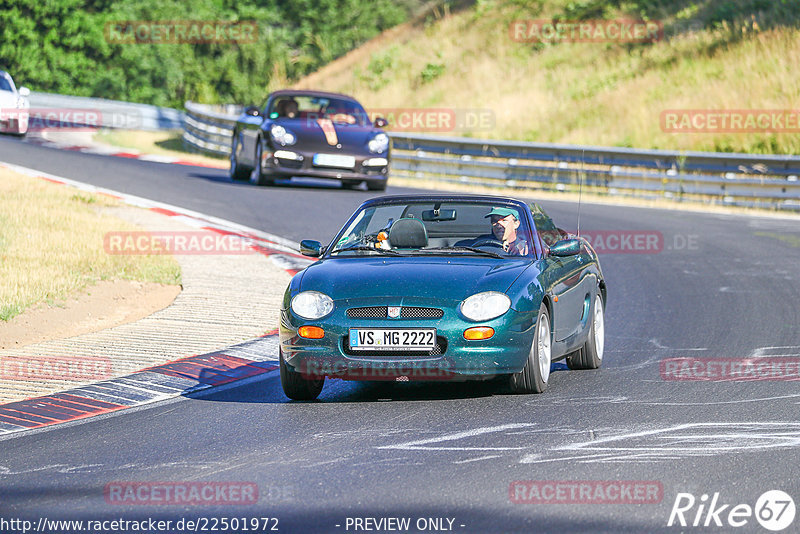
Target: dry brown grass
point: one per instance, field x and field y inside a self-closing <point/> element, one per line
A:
<point x="51" y="245"/>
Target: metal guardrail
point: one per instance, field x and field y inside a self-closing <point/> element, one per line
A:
<point x="767" y="181"/>
<point x="110" y="113"/>
<point x="209" y="128"/>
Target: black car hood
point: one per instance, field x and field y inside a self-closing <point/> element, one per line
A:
<point x="353" y="138"/>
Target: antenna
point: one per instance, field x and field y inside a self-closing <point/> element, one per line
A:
<point x="580" y="189"/>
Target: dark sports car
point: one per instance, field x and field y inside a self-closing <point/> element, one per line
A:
<point x="443" y="288"/>
<point x="310" y="133"/>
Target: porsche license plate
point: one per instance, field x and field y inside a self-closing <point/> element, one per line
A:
<point x="334" y="160"/>
<point x="392" y="338"/>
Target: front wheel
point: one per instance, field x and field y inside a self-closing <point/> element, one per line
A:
<point x="534" y="376"/>
<point x="590" y="356"/>
<point x="257" y="177"/>
<point x="297" y="386"/>
<point x="237" y="171"/>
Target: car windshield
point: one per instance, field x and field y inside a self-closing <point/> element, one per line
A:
<point x="5" y="85"/>
<point x="338" y="110"/>
<point x="492" y="229"/>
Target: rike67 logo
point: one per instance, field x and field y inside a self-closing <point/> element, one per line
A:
<point x="774" y="510"/>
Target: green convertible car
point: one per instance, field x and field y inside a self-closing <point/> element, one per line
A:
<point x="437" y="287"/>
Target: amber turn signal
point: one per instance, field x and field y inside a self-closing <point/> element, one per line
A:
<point x="478" y="332"/>
<point x="311" y="332"/>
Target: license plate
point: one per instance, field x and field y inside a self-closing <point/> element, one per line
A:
<point x="334" y="160"/>
<point x="392" y="338"/>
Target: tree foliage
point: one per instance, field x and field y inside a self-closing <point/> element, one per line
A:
<point x="62" y="46"/>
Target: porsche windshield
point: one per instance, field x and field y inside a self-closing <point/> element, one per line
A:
<point x="338" y="110"/>
<point x="433" y="227"/>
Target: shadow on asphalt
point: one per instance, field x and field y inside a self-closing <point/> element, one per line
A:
<point x="269" y="391"/>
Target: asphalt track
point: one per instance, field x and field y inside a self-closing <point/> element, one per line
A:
<point x="722" y="286"/>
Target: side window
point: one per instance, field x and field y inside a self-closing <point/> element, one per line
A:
<point x="545" y="227"/>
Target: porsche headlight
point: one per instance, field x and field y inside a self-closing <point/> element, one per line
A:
<point x="379" y="143"/>
<point x="485" y="306"/>
<point x="281" y="135"/>
<point x="312" y="305"/>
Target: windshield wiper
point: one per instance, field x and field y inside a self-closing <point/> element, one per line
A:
<point x="468" y="249"/>
<point x="367" y="248"/>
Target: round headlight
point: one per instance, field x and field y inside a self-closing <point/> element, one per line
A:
<point x="379" y="143"/>
<point x="312" y="304"/>
<point x="282" y="135"/>
<point x="485" y="306"/>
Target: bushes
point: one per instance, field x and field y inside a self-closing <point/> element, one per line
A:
<point x="60" y="46"/>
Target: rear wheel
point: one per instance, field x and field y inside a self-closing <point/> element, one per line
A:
<point x="297" y="386"/>
<point x="237" y="171"/>
<point x="590" y="356"/>
<point x="257" y="177"/>
<point x="348" y="184"/>
<point x="376" y="186"/>
<point x="534" y="376"/>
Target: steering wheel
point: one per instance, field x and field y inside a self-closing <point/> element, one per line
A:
<point x="488" y="241"/>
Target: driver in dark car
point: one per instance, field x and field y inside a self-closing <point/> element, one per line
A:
<point x="505" y="223"/>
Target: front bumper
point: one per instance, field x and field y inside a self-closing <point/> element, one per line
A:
<point x="302" y="165"/>
<point x="455" y="358"/>
<point x="14" y="121"/>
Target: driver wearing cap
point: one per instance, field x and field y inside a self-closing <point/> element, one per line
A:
<point x="505" y="222"/>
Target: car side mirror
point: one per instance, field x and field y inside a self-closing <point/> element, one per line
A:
<point x="311" y="248"/>
<point x="380" y="122"/>
<point x="252" y="111"/>
<point x="24" y="91"/>
<point x="566" y="247"/>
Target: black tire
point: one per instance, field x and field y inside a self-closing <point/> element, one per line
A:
<point x="237" y="171"/>
<point x="257" y="177"/>
<point x="348" y="184"/>
<point x="296" y="386"/>
<point x="376" y="186"/>
<point x="534" y="376"/>
<point x="590" y="356"/>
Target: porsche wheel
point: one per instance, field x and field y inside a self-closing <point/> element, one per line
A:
<point x="237" y="171"/>
<point x="297" y="386"/>
<point x="590" y="356"/>
<point x="534" y="376"/>
<point x="257" y="177"/>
